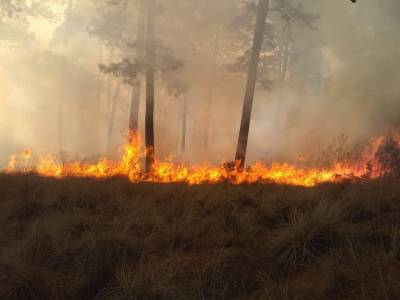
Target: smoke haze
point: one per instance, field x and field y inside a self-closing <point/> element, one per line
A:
<point x="343" y="78"/>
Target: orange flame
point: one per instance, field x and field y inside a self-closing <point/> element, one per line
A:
<point x="167" y="171"/>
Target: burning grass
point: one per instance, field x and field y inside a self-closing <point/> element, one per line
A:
<point x="380" y="158"/>
<point x="88" y="239"/>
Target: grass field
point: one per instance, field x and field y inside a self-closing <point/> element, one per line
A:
<point x="88" y="239"/>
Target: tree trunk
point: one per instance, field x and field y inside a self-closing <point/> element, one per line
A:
<point x="150" y="56"/>
<point x="184" y="124"/>
<point x="112" y="117"/>
<point x="251" y="82"/>
<point x="136" y="88"/>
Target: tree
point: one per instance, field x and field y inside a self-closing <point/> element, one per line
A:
<point x="80" y="83"/>
<point x="23" y="8"/>
<point x="262" y="11"/>
<point x="117" y="38"/>
<point x="140" y="57"/>
<point x="150" y="55"/>
<point x="136" y="84"/>
<point x="277" y="50"/>
<point x="8" y="8"/>
<point x="131" y="49"/>
<point x="15" y="18"/>
<point x="278" y="42"/>
<point x="209" y="19"/>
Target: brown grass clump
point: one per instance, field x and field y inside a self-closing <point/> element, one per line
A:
<point x="113" y="240"/>
<point x="308" y="235"/>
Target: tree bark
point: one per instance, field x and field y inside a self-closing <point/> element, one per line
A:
<point x="150" y="78"/>
<point x="136" y="88"/>
<point x="241" y="150"/>
<point x="184" y="124"/>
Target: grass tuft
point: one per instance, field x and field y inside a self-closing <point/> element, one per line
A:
<point x="85" y="239"/>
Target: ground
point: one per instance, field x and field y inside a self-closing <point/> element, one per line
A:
<point x="87" y="239"/>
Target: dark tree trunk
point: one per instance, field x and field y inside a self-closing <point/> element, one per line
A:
<point x="150" y="56"/>
<point x="136" y="89"/>
<point x="251" y="82"/>
<point x="184" y="124"/>
<point x="110" y="130"/>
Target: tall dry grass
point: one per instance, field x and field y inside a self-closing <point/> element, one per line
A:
<point x="88" y="239"/>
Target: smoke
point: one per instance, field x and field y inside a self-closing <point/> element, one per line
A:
<point x="343" y="79"/>
<point x="356" y="50"/>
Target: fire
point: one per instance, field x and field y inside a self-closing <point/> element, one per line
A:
<point x="167" y="171"/>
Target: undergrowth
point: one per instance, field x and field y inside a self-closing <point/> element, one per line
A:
<point x="87" y="239"/>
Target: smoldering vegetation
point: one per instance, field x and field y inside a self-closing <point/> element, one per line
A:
<point x="85" y="239"/>
<point x="331" y="71"/>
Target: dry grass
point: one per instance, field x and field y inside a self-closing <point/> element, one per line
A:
<point x="84" y="239"/>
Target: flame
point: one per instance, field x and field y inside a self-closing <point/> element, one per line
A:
<point x="167" y="171"/>
<point x="12" y="164"/>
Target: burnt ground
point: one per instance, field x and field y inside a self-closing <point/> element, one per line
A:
<point x="88" y="239"/>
